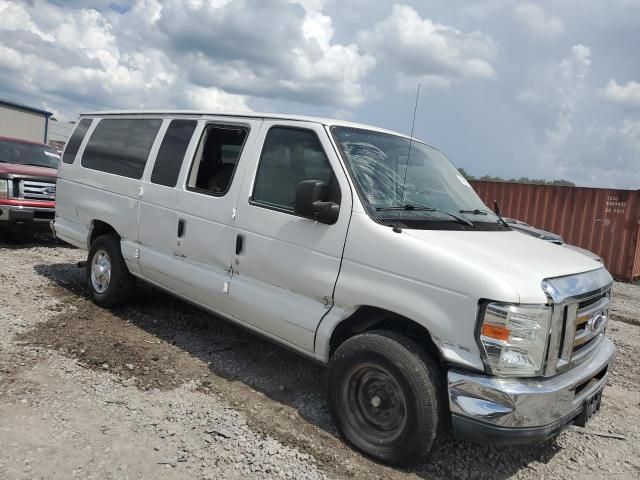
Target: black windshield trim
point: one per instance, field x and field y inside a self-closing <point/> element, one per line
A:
<point x="433" y="223"/>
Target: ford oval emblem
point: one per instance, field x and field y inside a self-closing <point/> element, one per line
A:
<point x="597" y="321"/>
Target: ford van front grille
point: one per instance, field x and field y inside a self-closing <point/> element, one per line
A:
<point x="581" y="330"/>
<point x="591" y="321"/>
<point x="580" y="317"/>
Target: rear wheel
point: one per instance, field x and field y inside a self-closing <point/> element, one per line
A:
<point x="384" y="396"/>
<point x="108" y="278"/>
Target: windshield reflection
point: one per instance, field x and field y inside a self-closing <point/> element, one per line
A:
<point x="20" y="153"/>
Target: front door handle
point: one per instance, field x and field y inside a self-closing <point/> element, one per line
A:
<point x="181" y="227"/>
<point x="239" y="244"/>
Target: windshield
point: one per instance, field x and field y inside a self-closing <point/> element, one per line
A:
<point x="27" y="154"/>
<point x="379" y="162"/>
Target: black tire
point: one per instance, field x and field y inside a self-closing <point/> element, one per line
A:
<point x="121" y="283"/>
<point x="387" y="397"/>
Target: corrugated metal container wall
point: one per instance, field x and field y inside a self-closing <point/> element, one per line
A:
<point x="636" y="263"/>
<point x="601" y="220"/>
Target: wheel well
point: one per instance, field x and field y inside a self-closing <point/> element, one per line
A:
<point x="100" y="228"/>
<point x="372" y="318"/>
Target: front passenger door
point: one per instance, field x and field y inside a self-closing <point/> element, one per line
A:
<point x="285" y="266"/>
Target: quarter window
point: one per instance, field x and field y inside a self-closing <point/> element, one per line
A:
<point x="290" y="156"/>
<point x="171" y="153"/>
<point x="121" y="146"/>
<point x="76" y="140"/>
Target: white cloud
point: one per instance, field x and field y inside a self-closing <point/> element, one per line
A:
<point x="169" y="54"/>
<point x="627" y="94"/>
<point x="568" y="78"/>
<point x="555" y="99"/>
<point x="538" y="22"/>
<point x="294" y="60"/>
<point x="420" y="49"/>
<point x="214" y="99"/>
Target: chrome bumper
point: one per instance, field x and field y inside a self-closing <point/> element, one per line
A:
<point x="19" y="214"/>
<point x="512" y="410"/>
<point x="17" y="218"/>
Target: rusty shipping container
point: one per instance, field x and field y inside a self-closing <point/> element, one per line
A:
<point x="602" y="220"/>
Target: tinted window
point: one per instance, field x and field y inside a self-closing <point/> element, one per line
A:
<point x="174" y="145"/>
<point x="215" y="161"/>
<point x="76" y="139"/>
<point x="290" y="156"/>
<point x="121" y="146"/>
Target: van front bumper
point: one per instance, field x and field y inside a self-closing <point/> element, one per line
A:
<point x="502" y="410"/>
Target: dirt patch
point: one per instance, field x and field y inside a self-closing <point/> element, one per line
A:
<point x="626" y="366"/>
<point x="626" y="319"/>
<point x="101" y="340"/>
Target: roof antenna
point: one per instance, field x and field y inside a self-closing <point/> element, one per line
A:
<point x="397" y="228"/>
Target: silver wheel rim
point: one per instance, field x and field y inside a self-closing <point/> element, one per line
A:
<point x="100" y="271"/>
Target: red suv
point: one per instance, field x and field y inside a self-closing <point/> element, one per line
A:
<point x="27" y="184"/>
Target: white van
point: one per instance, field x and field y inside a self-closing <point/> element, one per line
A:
<point x="356" y="247"/>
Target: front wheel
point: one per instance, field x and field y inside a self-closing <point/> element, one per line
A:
<point x="384" y="396"/>
<point x="108" y="278"/>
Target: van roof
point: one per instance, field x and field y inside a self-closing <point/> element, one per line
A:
<point x="277" y="116"/>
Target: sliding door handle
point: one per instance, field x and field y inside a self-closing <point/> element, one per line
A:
<point x="181" y="227"/>
<point x="239" y="244"/>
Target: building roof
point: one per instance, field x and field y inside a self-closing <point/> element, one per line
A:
<point x="21" y="106"/>
<point x="277" y="116"/>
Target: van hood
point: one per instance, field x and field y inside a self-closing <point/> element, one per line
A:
<point x="520" y="260"/>
<point x="10" y="169"/>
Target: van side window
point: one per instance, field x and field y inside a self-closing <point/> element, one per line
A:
<point x="216" y="159"/>
<point x="121" y="146"/>
<point x="171" y="153"/>
<point x="289" y="156"/>
<point x="76" y="140"/>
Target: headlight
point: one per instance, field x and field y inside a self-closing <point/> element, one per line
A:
<point x="514" y="338"/>
<point x="4" y="188"/>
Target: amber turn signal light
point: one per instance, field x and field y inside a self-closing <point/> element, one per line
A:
<point x="495" y="331"/>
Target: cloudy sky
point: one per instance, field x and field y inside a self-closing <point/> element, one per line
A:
<point x="545" y="89"/>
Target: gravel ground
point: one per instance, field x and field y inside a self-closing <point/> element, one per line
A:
<point x="161" y="388"/>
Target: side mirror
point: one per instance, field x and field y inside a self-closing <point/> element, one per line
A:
<point x="311" y="196"/>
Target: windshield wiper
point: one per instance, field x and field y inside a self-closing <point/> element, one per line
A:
<point x="483" y="212"/>
<point x="418" y="208"/>
<point x="496" y="208"/>
<point x="474" y="212"/>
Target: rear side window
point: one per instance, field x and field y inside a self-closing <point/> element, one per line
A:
<point x="76" y="140"/>
<point x="216" y="158"/>
<point x="171" y="153"/>
<point x="289" y="156"/>
<point x="121" y="146"/>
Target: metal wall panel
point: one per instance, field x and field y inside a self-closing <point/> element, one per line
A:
<point x="604" y="221"/>
<point x="636" y="263"/>
<point x="22" y="124"/>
